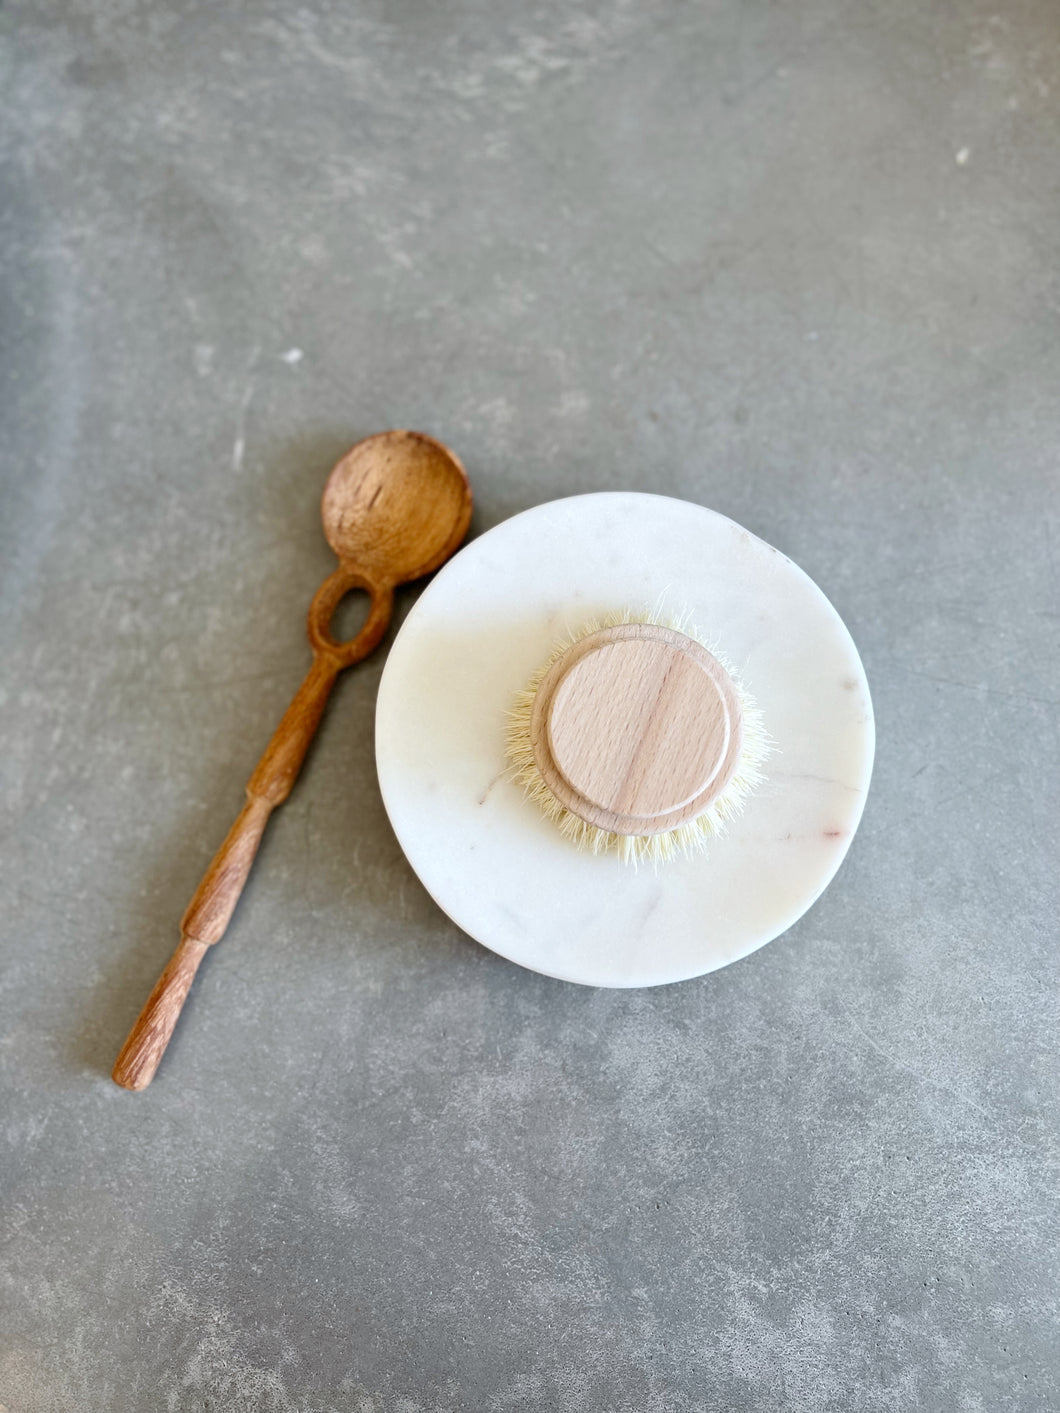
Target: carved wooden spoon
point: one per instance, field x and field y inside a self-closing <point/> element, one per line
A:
<point x="394" y="509"/>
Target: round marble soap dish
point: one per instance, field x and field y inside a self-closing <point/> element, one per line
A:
<point x="622" y="741"/>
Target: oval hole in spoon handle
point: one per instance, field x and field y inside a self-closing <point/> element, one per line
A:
<point x="394" y="509"/>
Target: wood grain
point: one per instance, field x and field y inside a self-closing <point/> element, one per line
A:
<point x="636" y="729"/>
<point x="149" y="1037"/>
<point x="394" y="508"/>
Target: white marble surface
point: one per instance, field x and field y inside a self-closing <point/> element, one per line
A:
<point x="486" y="855"/>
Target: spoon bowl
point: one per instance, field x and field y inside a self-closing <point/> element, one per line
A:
<point x="396" y="506"/>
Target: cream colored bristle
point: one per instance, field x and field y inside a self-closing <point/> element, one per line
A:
<point x="689" y="838"/>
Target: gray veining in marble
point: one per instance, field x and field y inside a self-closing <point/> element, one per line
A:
<point x="796" y="262"/>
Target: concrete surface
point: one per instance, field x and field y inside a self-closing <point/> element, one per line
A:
<point x="797" y="262"/>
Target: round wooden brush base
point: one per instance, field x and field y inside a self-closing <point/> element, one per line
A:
<point x="636" y="729"/>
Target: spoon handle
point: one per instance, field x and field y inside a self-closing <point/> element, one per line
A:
<point x="215" y="898"/>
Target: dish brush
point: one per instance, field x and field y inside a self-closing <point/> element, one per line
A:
<point x="636" y="738"/>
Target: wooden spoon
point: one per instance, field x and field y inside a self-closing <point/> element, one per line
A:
<point x="394" y="509"/>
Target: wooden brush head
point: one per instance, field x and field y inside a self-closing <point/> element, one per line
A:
<point x="636" y="729"/>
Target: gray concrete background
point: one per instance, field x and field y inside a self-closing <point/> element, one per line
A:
<point x="795" y="262"/>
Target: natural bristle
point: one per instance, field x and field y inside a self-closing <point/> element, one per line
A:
<point x="689" y="838"/>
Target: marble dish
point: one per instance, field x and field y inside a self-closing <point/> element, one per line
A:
<point x="490" y="859"/>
